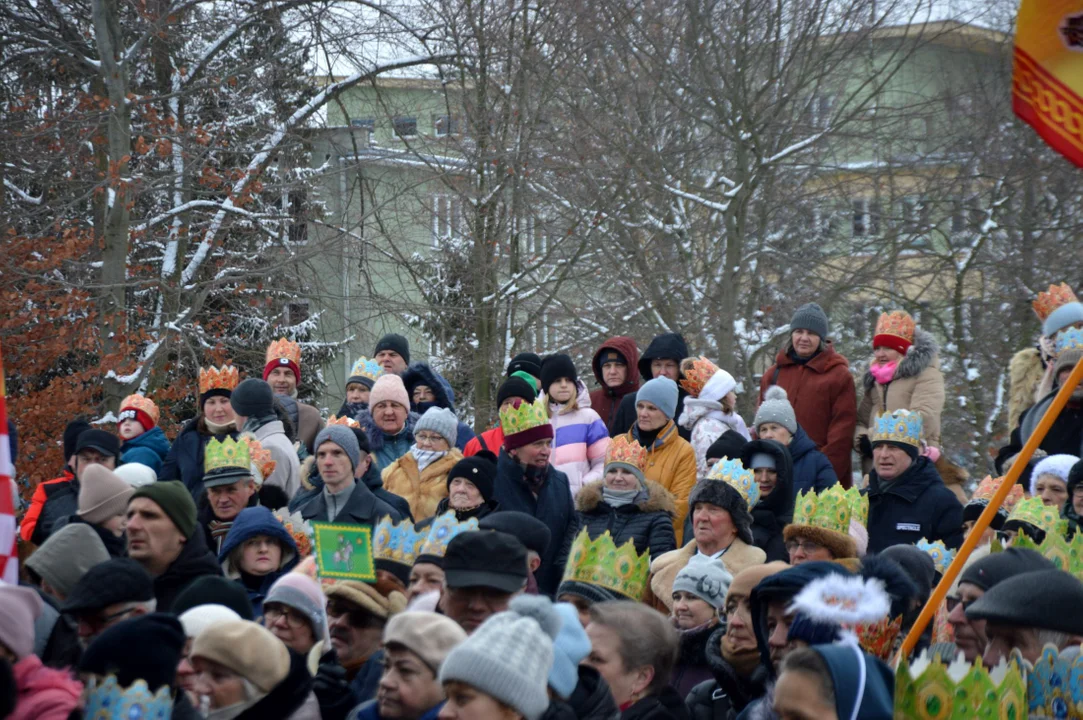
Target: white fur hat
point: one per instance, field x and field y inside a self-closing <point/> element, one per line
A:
<point x="1056" y="465"/>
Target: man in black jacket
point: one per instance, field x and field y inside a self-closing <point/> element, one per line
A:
<point x="94" y="447"/>
<point x="663" y="357"/>
<point x="343" y="499"/>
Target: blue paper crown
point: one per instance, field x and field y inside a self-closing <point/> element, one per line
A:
<point x="367" y="368"/>
<point x="107" y="700"/>
<point x="442" y="530"/>
<point x="939" y="552"/>
<point x="1070" y="338"/>
<point x="396" y="543"/>
<point x="899" y="426"/>
<point x="734" y="474"/>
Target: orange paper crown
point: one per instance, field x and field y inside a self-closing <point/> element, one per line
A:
<point x="988" y="488"/>
<point x="344" y="420"/>
<point x="142" y="404"/>
<point x="626" y="452"/>
<point x="697" y="375"/>
<point x="260" y="456"/>
<point x="212" y="378"/>
<point x="284" y="349"/>
<point x="1053" y="298"/>
<point x="879" y="638"/>
<point x="897" y="323"/>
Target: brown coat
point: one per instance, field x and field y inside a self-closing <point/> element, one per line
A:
<point x="309" y="425"/>
<point x="824" y="400"/>
<point x="422" y="491"/>
<point x="664" y="569"/>
<point x="671" y="463"/>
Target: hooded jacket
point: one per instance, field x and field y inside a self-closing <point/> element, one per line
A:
<point x="775" y="511"/>
<point x="420" y="373"/>
<point x="61" y="501"/>
<point x="727" y="693"/>
<point x="184" y="461"/>
<point x="287" y="472"/>
<point x="672" y="464"/>
<point x="669" y="346"/>
<point x="385" y="449"/>
<point x="824" y="400"/>
<point x="812" y="470"/>
<point x="864" y="686"/>
<point x="250" y="523"/>
<point x="648" y="523"/>
<point x="149" y="448"/>
<point x="580" y="441"/>
<point x="606" y="400"/>
<point x="591" y="700"/>
<point x="29" y="524"/>
<point x="423" y="490"/>
<point x="194" y="561"/>
<point x="1065" y="436"/>
<point x="913" y="506"/>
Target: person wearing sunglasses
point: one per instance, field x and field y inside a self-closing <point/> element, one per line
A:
<point x="420" y="476"/>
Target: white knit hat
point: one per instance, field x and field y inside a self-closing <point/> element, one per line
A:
<point x="197" y="619"/>
<point x="136" y="474"/>
<point x="1056" y="465"/>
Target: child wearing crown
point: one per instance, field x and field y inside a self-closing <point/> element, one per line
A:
<point x="142" y="441"/>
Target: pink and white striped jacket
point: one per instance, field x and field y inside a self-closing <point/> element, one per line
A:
<point x="580" y="441"/>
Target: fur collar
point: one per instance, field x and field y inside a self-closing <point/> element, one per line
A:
<point x="922" y="354"/>
<point x="375" y="434"/>
<point x="658" y="498"/>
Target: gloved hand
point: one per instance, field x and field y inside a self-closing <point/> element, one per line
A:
<point x="332" y="689"/>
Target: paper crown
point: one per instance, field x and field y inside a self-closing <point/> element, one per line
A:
<point x="517" y="418"/>
<point x="601" y="563"/>
<point x="930" y="690"/>
<point x="261" y="458"/>
<point x="397" y="543"/>
<point x="1066" y="554"/>
<point x="212" y="378"/>
<point x="1051" y="299"/>
<point x="107" y="700"/>
<point x="898" y="426"/>
<point x="1053" y="683"/>
<point x="440" y="533"/>
<point x="227" y="454"/>
<point x="988" y="487"/>
<point x="879" y="638"/>
<point x="1070" y="338"/>
<point x="1044" y="517"/>
<point x="283" y="349"/>
<point x="366" y="368"/>
<point x="938" y="551"/>
<point x="626" y="452"/>
<point x="734" y="474"/>
<point x="697" y="375"/>
<point x="347" y="421"/>
<point x="832" y="509"/>
<point x="298" y="528"/>
<point x="142" y="404"/>
<point x="897" y="323"/>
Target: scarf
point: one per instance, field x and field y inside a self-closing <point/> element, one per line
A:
<point x="792" y="354"/>
<point x="217" y="429"/>
<point x="254" y="423"/>
<point x="620" y="498"/>
<point x="646" y="438"/>
<point x="219" y="529"/>
<point x="234" y="710"/>
<point x="534" y="477"/>
<point x="883" y="374"/>
<point x="352" y="410"/>
<point x="425" y="457"/>
<point x="743" y="662"/>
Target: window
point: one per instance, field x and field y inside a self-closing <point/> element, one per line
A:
<point x="445" y="125"/>
<point x="958" y="216"/>
<point x="296" y="312"/>
<point x="818" y="110"/>
<point x="366" y="123"/>
<point x="295" y="224"/>
<point x="404" y="126"/>
<point x="865" y="221"/>
<point x="447" y="219"/>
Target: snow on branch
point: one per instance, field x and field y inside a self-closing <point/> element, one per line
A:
<point x="22" y="194"/>
<point x="796" y="147"/>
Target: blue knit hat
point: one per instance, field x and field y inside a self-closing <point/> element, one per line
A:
<point x="662" y="393"/>
<point x="570" y="647"/>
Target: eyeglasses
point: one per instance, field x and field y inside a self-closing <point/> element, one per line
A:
<point x="355" y="616"/>
<point x="294" y="618"/>
<point x="953" y="602"/>
<point x="805" y="546"/>
<point x="428" y="438"/>
<point x="100" y="622"/>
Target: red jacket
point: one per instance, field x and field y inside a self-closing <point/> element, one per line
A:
<point x="44" y="693"/>
<point x="37" y="502"/>
<point x="606" y="400"/>
<point x="494" y="440"/>
<point x="824" y="400"/>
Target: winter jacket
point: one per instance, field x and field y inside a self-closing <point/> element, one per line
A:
<point x="728" y="693"/>
<point x="812" y="470"/>
<point x="606" y="400"/>
<point x="60" y="647"/>
<point x="553" y="506"/>
<point x="580" y="441"/>
<point x="312" y="485"/>
<point x="1026" y="372"/>
<point x="648" y="523"/>
<point x="668" y="345"/>
<point x="309" y="423"/>
<point x="486" y="508"/>
<point x="668" y="704"/>
<point x="184" y="461"/>
<point x="250" y="523"/>
<point x="371" y="711"/>
<point x="775" y="511"/>
<point x="37" y="502"/>
<point x="692" y="668"/>
<point x="491" y="440"/>
<point x="362" y="508"/>
<point x="591" y="700"/>
<point x="1065" y="434"/>
<point x="672" y="464"/>
<point x="422" y="491"/>
<point x="917" y="386"/>
<point x="117" y="546"/>
<point x="824" y="400"/>
<point x="43" y="693"/>
<point x="149" y="449"/>
<point x="287" y="472"/>
<point x="291" y="699"/>
<point x="386" y="450"/>
<point x="706" y="423"/>
<point x="665" y="567"/>
<point x="61" y="501"/>
<point x="366" y="680"/>
<point x="420" y="373"/>
<point x="915" y="505"/>
<point x="194" y="561"/>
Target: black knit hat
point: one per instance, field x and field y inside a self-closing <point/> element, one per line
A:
<point x="253" y="398"/>
<point x="555" y="367"/>
<point x="725" y="496"/>
<point x="394" y="343"/>
<point x="71" y="436"/>
<point x="1075" y="476"/>
<point x="997" y="567"/>
<point x="728" y="445"/>
<point x="529" y="530"/>
<point x="515" y="387"/>
<point x="362" y="439"/>
<point x="214" y="590"/>
<point x="1043" y="599"/>
<point x="117" y="580"/>
<point x="528" y="362"/>
<point x="592" y="593"/>
<point x="480" y="471"/>
<point x="144" y="648"/>
<point x="100" y="440"/>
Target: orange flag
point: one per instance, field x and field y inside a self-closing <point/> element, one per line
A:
<point x="1047" y="80"/>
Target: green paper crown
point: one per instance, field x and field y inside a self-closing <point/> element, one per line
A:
<point x="1067" y="556"/>
<point x="1044" y="517"/>
<point x="526" y="416"/>
<point x="442" y="530"/>
<point x="832" y="509"/>
<point x="226" y="454"/>
<point x="600" y="562"/>
<point x="396" y="543"/>
<point x="930" y="690"/>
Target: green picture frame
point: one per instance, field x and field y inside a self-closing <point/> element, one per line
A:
<point x="344" y="552"/>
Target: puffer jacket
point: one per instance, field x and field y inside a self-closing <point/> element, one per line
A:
<point x="149" y="448"/>
<point x="649" y="524"/>
<point x="775" y="511"/>
<point x="250" y="523"/>
<point x="668" y="345"/>
<point x="423" y="490"/>
<point x="918" y="386"/>
<point x="672" y="464"/>
<point x="420" y="373"/>
<point x="812" y="470"/>
<point x="606" y="400"/>
<point x="184" y="461"/>
<point x="580" y="441"/>
<point x="43" y="692"/>
<point x="385" y="449"/>
<point x="706" y="422"/>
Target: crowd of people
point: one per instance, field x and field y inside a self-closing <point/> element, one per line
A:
<point x="637" y="550"/>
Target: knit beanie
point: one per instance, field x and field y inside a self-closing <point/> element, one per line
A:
<point x="728" y="445"/>
<point x="394" y="343"/>
<point x="302" y="593"/>
<point x="343" y="437"/>
<point x="776" y="408"/>
<point x="248" y="649"/>
<point x="662" y="393"/>
<point x="706" y="579"/>
<point x="1066" y="360"/>
<point x="139" y="408"/>
<point x="528" y="379"/>
<point x="440" y="421"/>
<point x="136" y="474"/>
<point x="147" y="648"/>
<point x="527" y="362"/>
<point x="515" y="387"/>
<point x="570" y="647"/>
<point x="67" y="555"/>
<point x="555" y="367"/>
<point x="1059" y="466"/>
<point x="810" y="317"/>
<point x="253" y="398"/>
<point x="214" y="590"/>
<point x="102" y="494"/>
<point x="426" y="634"/>
<point x="19" y="608"/>
<point x="389" y="388"/>
<point x="509" y="656"/>
<point x="174" y="500"/>
<point x="71" y="436"/>
<point x="478" y="471"/>
<point x="201" y="617"/>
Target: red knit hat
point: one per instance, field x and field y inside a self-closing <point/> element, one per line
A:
<point x="141" y="409"/>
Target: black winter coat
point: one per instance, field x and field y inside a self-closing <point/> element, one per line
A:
<point x="691" y="668"/>
<point x="591" y="700"/>
<point x="649" y="523"/>
<point x="774" y="512"/>
<point x="1064" y="436"/>
<point x="668" y="345"/>
<point x="363" y="508"/>
<point x="553" y="506"/>
<point x="812" y="470"/>
<point x="185" y="459"/>
<point x="61" y="502"/>
<point x="666" y="705"/>
<point x="286" y="697"/>
<point x="194" y="561"/>
<point x="312" y="485"/>
<point x="728" y="693"/>
<point x="916" y="505"/>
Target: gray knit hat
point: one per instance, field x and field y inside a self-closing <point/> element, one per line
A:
<point x="776" y="408"/>
<point x="343" y="437"/>
<point x="509" y="656"/>
<point x="706" y="579"/>
<point x="662" y="393"/>
<point x="66" y="556"/>
<point x="440" y="421"/>
<point x="810" y="317"/>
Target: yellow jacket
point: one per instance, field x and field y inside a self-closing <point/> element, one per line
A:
<point x="671" y="462"/>
<point x="423" y="491"/>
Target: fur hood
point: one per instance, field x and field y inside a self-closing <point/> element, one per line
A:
<point x="658" y="498"/>
<point x="923" y="354"/>
<point x="375" y="434"/>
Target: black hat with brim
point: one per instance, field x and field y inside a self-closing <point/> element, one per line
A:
<point x="1043" y="599"/>
<point x="487" y="558"/>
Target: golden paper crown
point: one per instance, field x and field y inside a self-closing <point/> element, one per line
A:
<point x="525" y="417"/>
<point x="1066" y="555"/>
<point x="988" y="487"/>
<point x="601" y="563"/>
<point x="832" y="509"/>
<point x="260" y="456"/>
<point x="442" y="530"/>
<point x="626" y="452"/>
<point x="397" y="543"/>
<point x="227" y="454"/>
<point x="878" y="638"/>
<point x="283" y="349"/>
<point x="734" y="474"/>
<point x="344" y="420"/>
<point x="1051" y="299"/>
<point x="899" y="426"/>
<point x="930" y="690"/>
<point x="696" y="376"/>
<point x="1044" y="517"/>
<point x="141" y="403"/>
<point x="212" y="378"/>
<point x="897" y="323"/>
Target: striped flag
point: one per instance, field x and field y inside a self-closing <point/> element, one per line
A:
<point x="1047" y="79"/>
<point x="9" y="559"/>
